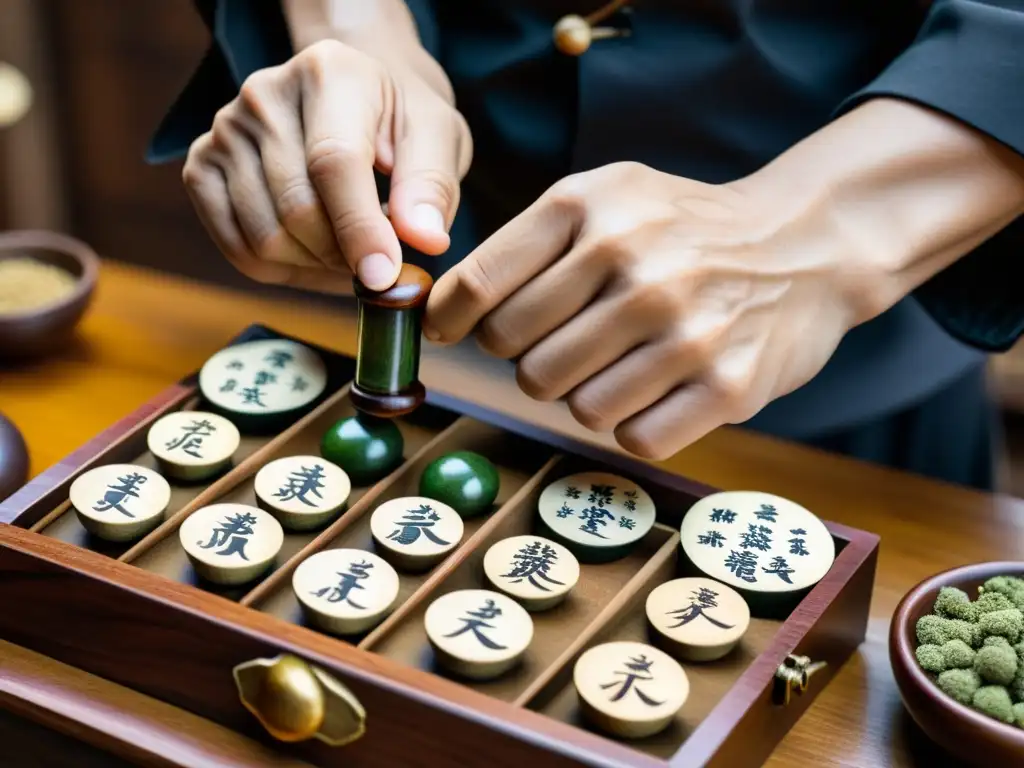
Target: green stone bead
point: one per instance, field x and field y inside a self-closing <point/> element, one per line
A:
<point x="465" y="481"/>
<point x="365" y="447"/>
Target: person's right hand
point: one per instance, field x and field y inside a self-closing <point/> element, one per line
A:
<point x="284" y="179"/>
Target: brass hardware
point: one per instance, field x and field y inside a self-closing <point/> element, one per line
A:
<point x="794" y="674"/>
<point x="295" y="701"/>
<point x="573" y="34"/>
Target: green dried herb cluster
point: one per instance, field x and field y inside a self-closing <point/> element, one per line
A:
<point x="976" y="648"/>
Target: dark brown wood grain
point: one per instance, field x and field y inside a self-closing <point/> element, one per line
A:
<point x="973" y="737"/>
<point x="410" y="291"/>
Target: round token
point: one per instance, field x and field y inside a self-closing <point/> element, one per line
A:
<point x="698" y="619"/>
<point x="415" y="532"/>
<point x="464" y="480"/>
<point x="597" y="515"/>
<point x="262" y="380"/>
<point x="477" y="633"/>
<point x="367" y="448"/>
<point x="535" y="571"/>
<point x="756" y="542"/>
<point x="630" y="689"/>
<point x="193" y="445"/>
<point x="120" y="502"/>
<point x="302" y="492"/>
<point x="345" y="591"/>
<point x="231" y="543"/>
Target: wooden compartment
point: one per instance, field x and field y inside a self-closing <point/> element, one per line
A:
<point x="137" y="620"/>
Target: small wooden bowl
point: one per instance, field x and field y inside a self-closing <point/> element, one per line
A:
<point x="39" y="331"/>
<point x="971" y="736"/>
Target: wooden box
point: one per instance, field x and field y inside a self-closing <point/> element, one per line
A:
<point x="136" y="619"/>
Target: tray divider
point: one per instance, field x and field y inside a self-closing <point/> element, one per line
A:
<point x="442" y="571"/>
<point x="357" y="510"/>
<point x="622" y="601"/>
<point x="229" y="480"/>
<point x="49" y="517"/>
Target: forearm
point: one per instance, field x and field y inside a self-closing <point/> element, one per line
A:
<point x="909" y="190"/>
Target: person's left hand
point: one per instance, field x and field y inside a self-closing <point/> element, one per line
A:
<point x="661" y="308"/>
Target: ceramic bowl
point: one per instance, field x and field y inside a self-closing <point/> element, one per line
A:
<point x="971" y="736"/>
<point x="38" y="331"/>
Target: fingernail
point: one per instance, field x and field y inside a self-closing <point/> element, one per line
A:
<point x="428" y="218"/>
<point x="376" y="271"/>
<point x="430" y="333"/>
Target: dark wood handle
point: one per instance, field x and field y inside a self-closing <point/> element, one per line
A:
<point x="410" y="291"/>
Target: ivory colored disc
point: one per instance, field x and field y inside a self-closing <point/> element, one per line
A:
<point x="415" y="529"/>
<point x="348" y="590"/>
<point x="704" y="618"/>
<point x="120" y="501"/>
<point x="757" y="542"/>
<point x="630" y="689"/>
<point x="478" y="628"/>
<point x="15" y="95"/>
<point x="192" y="442"/>
<point x="597" y="510"/>
<point x="300" y="487"/>
<point x="231" y="543"/>
<point x="532" y="569"/>
<point x="263" y="377"/>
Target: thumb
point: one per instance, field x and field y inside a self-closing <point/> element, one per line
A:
<point x="431" y="157"/>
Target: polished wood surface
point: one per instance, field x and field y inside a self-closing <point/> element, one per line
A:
<point x="145" y="330"/>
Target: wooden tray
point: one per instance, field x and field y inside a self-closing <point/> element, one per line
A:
<point x="136" y="617"/>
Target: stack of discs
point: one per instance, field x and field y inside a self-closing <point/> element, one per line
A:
<point x="598" y="516"/>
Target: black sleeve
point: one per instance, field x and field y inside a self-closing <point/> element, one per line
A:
<point x="968" y="62"/>
<point x="246" y="36"/>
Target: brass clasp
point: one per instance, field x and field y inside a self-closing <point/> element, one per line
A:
<point x="295" y="701"/>
<point x="794" y="674"/>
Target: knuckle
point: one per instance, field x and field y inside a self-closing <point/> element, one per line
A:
<point x="692" y="352"/>
<point x="734" y="394"/>
<point x="329" y="157"/>
<point x="497" y="337"/>
<point x="568" y="196"/>
<point x="638" y="443"/>
<point x="439" y="185"/>
<point x="255" y="91"/>
<point x="531" y="378"/>
<point x="476" y="284"/>
<point x="589" y="411"/>
<point x="297" y="206"/>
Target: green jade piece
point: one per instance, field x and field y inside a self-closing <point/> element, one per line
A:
<point x="367" y="448"/>
<point x="465" y="481"/>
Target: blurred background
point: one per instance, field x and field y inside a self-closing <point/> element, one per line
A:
<point x="102" y="74"/>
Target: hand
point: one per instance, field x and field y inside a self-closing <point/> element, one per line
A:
<point x="284" y="180"/>
<point x="660" y="308"/>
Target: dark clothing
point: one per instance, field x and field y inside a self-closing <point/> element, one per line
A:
<point x="710" y="91"/>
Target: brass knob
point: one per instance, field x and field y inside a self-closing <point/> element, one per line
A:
<point x="794" y="675"/>
<point x="573" y="34"/>
<point x="295" y="701"/>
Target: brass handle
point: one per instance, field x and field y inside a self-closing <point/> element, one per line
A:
<point x="573" y="34"/>
<point x="794" y="675"/>
<point x="295" y="701"/>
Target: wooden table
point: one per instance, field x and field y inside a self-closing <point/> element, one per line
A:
<point x="145" y="330"/>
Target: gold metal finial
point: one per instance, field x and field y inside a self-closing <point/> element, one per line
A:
<point x="573" y="34"/>
<point x="794" y="675"/>
<point x="295" y="701"/>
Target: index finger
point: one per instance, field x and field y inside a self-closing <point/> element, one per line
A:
<point x="503" y="263"/>
<point x="342" y="115"/>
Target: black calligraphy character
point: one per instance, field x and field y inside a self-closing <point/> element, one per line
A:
<point x="533" y="560"/>
<point x="414" y="523"/>
<point x="595" y="516"/>
<point x="251" y="396"/>
<point x="796" y="545"/>
<point x="779" y="567"/>
<point x="572" y="492"/>
<point x="229" y="385"/>
<point x="340" y="592"/>
<point x="722" y="516"/>
<point x="701" y="602"/>
<point x="117" y="495"/>
<point x="767" y="512"/>
<point x="756" y="537"/>
<point x="262" y="378"/>
<point x="299" y="384"/>
<point x="630" y="501"/>
<point x="191" y="438"/>
<point x="305" y="481"/>
<point x="711" y="539"/>
<point x="565" y="511"/>
<point x="639" y="669"/>
<point x="232" y="534"/>
<point x="278" y="358"/>
<point x="235" y="365"/>
<point x="601" y="494"/>
<point x="742" y="564"/>
<point x="478" y="619"/>
<point x="627" y="522"/>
